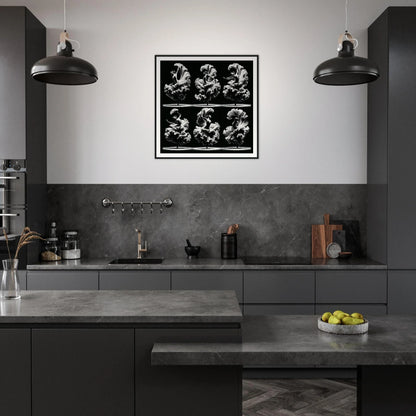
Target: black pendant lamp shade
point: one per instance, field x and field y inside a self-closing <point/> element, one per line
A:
<point x="64" y="69"/>
<point x="346" y="68"/>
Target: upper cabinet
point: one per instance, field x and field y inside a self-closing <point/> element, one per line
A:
<point x="22" y="100"/>
<point x="391" y="139"/>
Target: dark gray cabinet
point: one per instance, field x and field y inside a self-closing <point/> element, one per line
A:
<point x="82" y="372"/>
<point x="15" y="380"/>
<point x="160" y="390"/>
<point x="278" y="292"/>
<point x="391" y="141"/>
<point x="351" y="286"/>
<point x="209" y="280"/>
<point x="279" y="287"/>
<point x="62" y="280"/>
<point x="402" y="292"/>
<point x="132" y="280"/>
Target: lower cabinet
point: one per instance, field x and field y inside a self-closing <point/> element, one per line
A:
<point x="82" y="372"/>
<point x="185" y="390"/>
<point x="402" y="291"/>
<point x="15" y="379"/>
<point x="62" y="280"/>
<point x="363" y="291"/>
<point x="278" y="292"/>
<point x="132" y="280"/>
<point x="209" y="280"/>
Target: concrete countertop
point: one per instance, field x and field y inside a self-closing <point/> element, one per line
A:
<point x="295" y="340"/>
<point x="121" y="307"/>
<point x="209" y="264"/>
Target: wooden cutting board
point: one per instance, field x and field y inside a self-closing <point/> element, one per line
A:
<point x="322" y="236"/>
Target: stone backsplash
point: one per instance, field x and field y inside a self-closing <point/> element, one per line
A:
<point x="274" y="219"/>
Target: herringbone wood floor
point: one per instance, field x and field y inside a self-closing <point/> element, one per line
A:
<point x="287" y="397"/>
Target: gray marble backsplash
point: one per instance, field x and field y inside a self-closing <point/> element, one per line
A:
<point x="274" y="219"/>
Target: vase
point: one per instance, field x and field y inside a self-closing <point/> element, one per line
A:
<point x="10" y="288"/>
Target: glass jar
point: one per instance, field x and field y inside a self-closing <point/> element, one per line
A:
<point x="70" y="249"/>
<point x="51" y="250"/>
<point x="10" y="288"/>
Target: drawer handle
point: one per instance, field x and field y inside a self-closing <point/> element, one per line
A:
<point x="8" y="178"/>
<point x="9" y="215"/>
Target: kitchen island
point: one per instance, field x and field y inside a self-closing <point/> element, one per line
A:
<point x="89" y="353"/>
<point x="385" y="357"/>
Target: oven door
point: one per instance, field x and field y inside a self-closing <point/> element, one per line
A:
<point x="12" y="189"/>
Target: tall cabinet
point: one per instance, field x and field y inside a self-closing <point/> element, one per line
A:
<point x="392" y="153"/>
<point x="23" y="115"/>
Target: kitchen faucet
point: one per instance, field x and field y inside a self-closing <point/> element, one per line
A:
<point x="140" y="250"/>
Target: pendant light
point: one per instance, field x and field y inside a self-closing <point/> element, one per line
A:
<point x="64" y="68"/>
<point x="346" y="68"/>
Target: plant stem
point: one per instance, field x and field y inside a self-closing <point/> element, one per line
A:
<point x="7" y="244"/>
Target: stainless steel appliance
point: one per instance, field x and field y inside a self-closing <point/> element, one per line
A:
<point x="13" y="205"/>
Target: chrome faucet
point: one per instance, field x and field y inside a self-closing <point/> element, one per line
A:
<point x="140" y="250"/>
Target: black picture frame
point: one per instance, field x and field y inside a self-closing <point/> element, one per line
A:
<point x="206" y="107"/>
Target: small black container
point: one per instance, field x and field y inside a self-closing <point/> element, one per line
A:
<point x="228" y="246"/>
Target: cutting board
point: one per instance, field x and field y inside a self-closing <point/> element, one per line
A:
<point x="322" y="236"/>
<point x="352" y="236"/>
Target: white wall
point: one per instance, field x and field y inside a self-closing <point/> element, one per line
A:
<point x="104" y="133"/>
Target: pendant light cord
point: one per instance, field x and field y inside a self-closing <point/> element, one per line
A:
<point x="64" y="15"/>
<point x="346" y="16"/>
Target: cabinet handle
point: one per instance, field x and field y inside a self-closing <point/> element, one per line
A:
<point x="9" y="215"/>
<point x="7" y="178"/>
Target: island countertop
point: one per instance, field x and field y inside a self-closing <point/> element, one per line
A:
<point x="124" y="307"/>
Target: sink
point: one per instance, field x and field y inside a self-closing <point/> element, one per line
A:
<point x="136" y="261"/>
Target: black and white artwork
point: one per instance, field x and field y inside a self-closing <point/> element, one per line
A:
<point x="206" y="106"/>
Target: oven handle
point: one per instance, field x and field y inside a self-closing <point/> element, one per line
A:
<point x="6" y="178"/>
<point x="9" y="215"/>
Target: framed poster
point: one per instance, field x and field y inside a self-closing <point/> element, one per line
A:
<point x="206" y="106"/>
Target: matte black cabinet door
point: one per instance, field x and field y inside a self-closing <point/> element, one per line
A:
<point x="186" y="390"/>
<point x="15" y="372"/>
<point x="132" y="280"/>
<point x="83" y="372"/>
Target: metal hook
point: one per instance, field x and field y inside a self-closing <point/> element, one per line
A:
<point x="161" y="208"/>
<point x="151" y="207"/>
<point x="141" y="208"/>
<point x="132" y="208"/>
<point x="122" y="208"/>
<point x="113" y="211"/>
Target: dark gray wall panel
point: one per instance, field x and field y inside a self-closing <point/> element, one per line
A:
<point x="132" y="280"/>
<point x="15" y="382"/>
<point x="279" y="287"/>
<point x="351" y="286"/>
<point x="83" y="372"/>
<point x="209" y="280"/>
<point x="57" y="280"/>
<point x="364" y="308"/>
<point x="279" y="309"/>
<point x="402" y="292"/>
